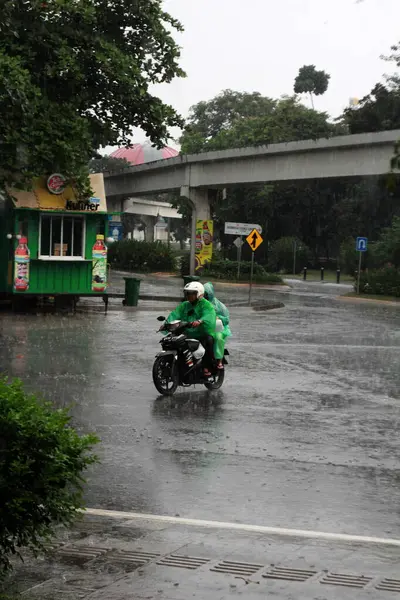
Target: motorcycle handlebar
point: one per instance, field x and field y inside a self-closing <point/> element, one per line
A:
<point x="183" y="325"/>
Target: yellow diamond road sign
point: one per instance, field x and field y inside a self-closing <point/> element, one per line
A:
<point x="254" y="240"/>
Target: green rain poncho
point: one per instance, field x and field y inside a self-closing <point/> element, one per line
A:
<point x="222" y="313"/>
<point x="202" y="311"/>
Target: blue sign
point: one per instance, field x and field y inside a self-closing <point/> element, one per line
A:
<point x="362" y="244"/>
<point x="115" y="230"/>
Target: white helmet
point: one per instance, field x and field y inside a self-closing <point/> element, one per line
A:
<point x="195" y="287"/>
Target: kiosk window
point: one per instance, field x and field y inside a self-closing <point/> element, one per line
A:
<point x="62" y="236"/>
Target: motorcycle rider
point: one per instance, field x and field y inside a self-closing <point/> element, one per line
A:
<point x="223" y="314"/>
<point x="201" y="313"/>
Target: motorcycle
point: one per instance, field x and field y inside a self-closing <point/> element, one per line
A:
<point x="180" y="363"/>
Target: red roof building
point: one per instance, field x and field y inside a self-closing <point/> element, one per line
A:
<point x="144" y="153"/>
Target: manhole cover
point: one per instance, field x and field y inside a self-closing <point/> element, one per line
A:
<point x="389" y="585"/>
<point x="288" y="574"/>
<point x="81" y="553"/>
<point x="183" y="562"/>
<point x="136" y="557"/>
<point x="357" y="581"/>
<point x="236" y="568"/>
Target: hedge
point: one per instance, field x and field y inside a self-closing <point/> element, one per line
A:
<point x="227" y="269"/>
<point x="42" y="459"/>
<point x="144" y="257"/>
<point x="381" y="282"/>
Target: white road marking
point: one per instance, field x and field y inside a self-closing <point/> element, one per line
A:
<point x="278" y="531"/>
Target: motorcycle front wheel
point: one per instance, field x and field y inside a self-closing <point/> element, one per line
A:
<point x="216" y="381"/>
<point x="165" y="375"/>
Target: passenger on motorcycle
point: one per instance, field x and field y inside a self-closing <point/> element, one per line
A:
<point x="223" y="315"/>
<point x="201" y="313"/>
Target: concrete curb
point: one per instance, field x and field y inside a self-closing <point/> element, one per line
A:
<point x="356" y="300"/>
<point x="269" y="306"/>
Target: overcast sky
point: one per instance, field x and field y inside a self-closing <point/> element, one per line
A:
<point x="259" y="45"/>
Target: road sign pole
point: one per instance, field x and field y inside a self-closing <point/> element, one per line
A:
<point x="251" y="277"/>
<point x="361" y="246"/>
<point x="239" y="257"/>
<point x="254" y="239"/>
<point x="294" y="256"/>
<point x="359" y="273"/>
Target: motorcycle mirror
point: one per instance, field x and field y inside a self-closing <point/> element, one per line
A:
<point x="160" y="318"/>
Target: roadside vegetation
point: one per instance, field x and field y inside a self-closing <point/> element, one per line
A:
<point x="42" y="463"/>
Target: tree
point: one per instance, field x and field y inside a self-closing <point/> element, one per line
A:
<point x="75" y="76"/>
<point x="310" y="81"/>
<point x="378" y="111"/>
<point x="100" y="164"/>
<point x="387" y="248"/>
<point x="287" y="120"/>
<point x="209" y="118"/>
<point x="289" y="254"/>
<point x="181" y="228"/>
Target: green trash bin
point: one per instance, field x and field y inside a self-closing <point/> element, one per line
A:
<point x="132" y="286"/>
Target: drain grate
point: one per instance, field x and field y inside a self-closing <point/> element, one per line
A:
<point x="183" y="562"/>
<point x="287" y="574"/>
<point x="389" y="585"/>
<point x="136" y="557"/>
<point x="356" y="581"/>
<point x="82" y="553"/>
<point x="236" y="568"/>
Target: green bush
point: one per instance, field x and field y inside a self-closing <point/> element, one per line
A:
<point x="381" y="282"/>
<point x="185" y="264"/>
<point x="132" y="255"/>
<point x="42" y="460"/>
<point x="349" y="257"/>
<point x="387" y="248"/>
<point x="281" y="255"/>
<point x="227" y="269"/>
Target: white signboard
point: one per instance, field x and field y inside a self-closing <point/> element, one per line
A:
<point x="241" y="228"/>
<point x="238" y="242"/>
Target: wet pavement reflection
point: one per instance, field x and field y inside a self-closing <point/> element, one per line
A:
<point x="303" y="434"/>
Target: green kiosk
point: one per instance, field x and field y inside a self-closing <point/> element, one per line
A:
<point x="52" y="244"/>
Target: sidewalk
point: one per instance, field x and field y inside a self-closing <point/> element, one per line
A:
<point x="119" y="559"/>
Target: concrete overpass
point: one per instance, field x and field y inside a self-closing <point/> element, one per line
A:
<point x="344" y="156"/>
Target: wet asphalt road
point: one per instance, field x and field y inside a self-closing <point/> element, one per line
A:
<point x="304" y="433"/>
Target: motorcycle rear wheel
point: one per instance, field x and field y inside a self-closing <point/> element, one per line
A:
<point x="218" y="380"/>
<point x="165" y="375"/>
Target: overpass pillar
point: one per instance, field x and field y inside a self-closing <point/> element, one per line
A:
<point x="200" y="210"/>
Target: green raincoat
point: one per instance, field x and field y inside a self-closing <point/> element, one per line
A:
<point x="202" y="311"/>
<point x="222" y="313"/>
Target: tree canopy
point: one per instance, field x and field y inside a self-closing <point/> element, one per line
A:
<point x="311" y="81"/>
<point x="100" y="164"/>
<point x="75" y="76"/>
<point x="380" y="109"/>
<point x="273" y="121"/>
